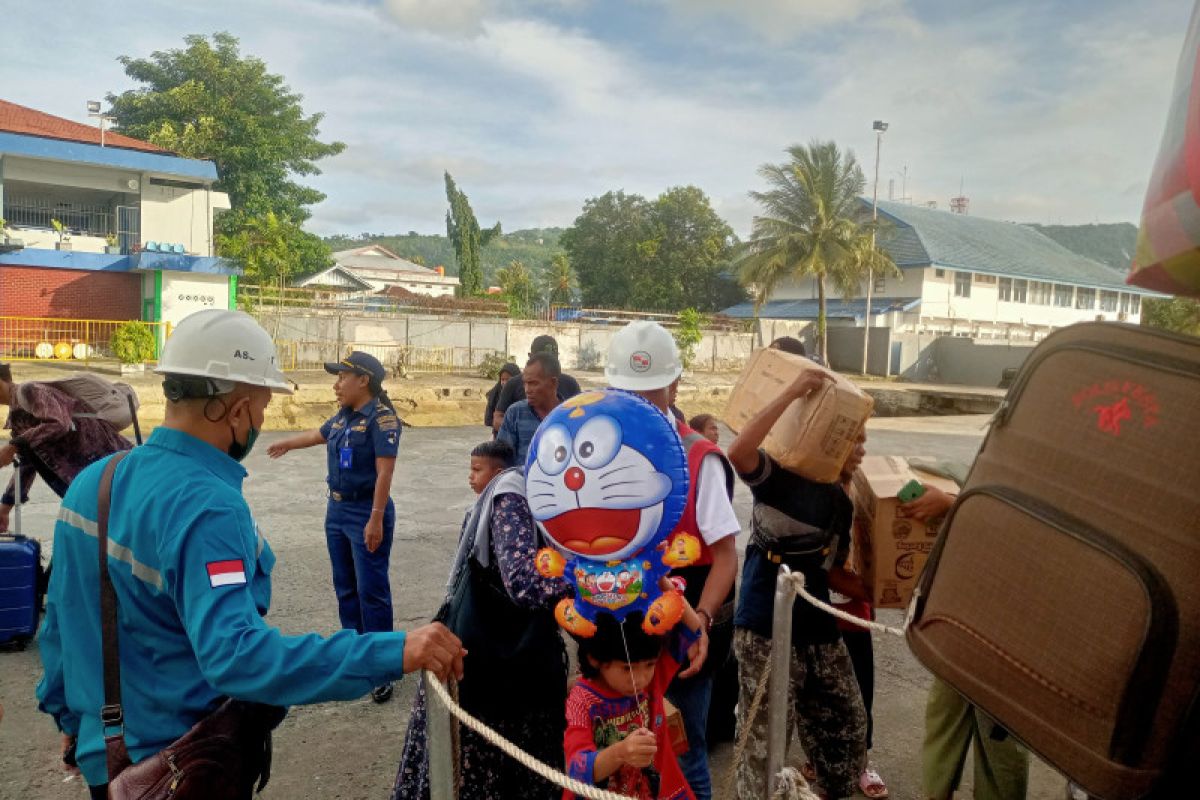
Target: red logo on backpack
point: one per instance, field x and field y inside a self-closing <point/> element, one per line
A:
<point x="1116" y="402"/>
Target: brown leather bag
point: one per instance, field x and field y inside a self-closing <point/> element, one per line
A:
<point x="222" y="757"/>
<point x="1062" y="596"/>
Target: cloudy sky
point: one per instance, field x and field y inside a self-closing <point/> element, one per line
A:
<point x="1047" y="110"/>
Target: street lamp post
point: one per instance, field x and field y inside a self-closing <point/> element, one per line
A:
<point x="879" y="127"/>
<point x="93" y="108"/>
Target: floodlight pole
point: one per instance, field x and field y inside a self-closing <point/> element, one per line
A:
<point x="880" y="126"/>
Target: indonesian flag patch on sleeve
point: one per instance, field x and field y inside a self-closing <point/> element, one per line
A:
<point x="226" y="573"/>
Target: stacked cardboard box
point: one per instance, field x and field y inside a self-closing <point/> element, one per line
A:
<point x="816" y="434"/>
<point x="887" y="550"/>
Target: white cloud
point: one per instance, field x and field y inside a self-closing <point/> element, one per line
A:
<point x="533" y="110"/>
<point x="781" y="20"/>
<point x="441" y="17"/>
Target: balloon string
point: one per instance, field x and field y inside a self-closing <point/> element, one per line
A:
<point x="637" y="696"/>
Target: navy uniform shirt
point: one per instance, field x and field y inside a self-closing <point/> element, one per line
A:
<point x="354" y="439"/>
<point x="822" y="505"/>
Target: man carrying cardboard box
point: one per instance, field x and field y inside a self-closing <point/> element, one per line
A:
<point x="806" y="525"/>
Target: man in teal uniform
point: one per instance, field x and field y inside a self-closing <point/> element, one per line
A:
<point x="192" y="572"/>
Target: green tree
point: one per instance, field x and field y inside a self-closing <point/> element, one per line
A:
<point x="604" y="246"/>
<point x="559" y="280"/>
<point x="688" y="334"/>
<point x="668" y="254"/>
<point x="462" y="229"/>
<point x="206" y="100"/>
<point x="807" y="222"/>
<point x="1179" y="314"/>
<point x="516" y="283"/>
<point x="265" y="247"/>
<point x="693" y="246"/>
<point x="271" y="250"/>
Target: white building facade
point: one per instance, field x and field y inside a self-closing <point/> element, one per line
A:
<point x="375" y="270"/>
<point x="966" y="276"/>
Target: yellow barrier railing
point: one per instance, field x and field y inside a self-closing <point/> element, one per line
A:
<point x="55" y="339"/>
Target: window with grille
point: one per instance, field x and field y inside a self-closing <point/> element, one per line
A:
<point x="1108" y="301"/>
<point x="939" y="273"/>
<point x="962" y="284"/>
<point x="1085" y="298"/>
<point x="1020" y="291"/>
<point x="1124" y="303"/>
<point x="985" y="278"/>
<point x="1041" y="293"/>
<point x="1063" y="295"/>
<point x="1006" y="290"/>
<point x="1135" y="304"/>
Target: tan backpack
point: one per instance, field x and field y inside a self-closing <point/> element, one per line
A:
<point x="1063" y="594"/>
<point x="112" y="401"/>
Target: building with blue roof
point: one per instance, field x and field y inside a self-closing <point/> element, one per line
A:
<point x="137" y="226"/>
<point x="967" y="276"/>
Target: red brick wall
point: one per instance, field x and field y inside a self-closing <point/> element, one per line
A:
<point x="74" y="294"/>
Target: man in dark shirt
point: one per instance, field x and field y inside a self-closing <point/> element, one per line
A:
<point x="523" y="417"/>
<point x="805" y="525"/>
<point x="514" y="388"/>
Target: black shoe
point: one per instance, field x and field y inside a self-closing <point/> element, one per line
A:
<point x="381" y="694"/>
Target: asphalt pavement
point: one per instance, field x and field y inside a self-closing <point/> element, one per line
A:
<point x="350" y="750"/>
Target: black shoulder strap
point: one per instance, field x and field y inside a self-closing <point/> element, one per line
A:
<point x="111" y="714"/>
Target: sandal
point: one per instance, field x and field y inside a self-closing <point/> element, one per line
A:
<point x="809" y="771"/>
<point x="872" y="785"/>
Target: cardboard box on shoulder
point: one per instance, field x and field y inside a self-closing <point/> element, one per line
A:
<point x="816" y="434"/>
<point x="886" y="550"/>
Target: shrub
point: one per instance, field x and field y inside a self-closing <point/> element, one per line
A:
<point x="133" y="343"/>
<point x="688" y="334"/>
<point x="491" y="364"/>
<point x="590" y="356"/>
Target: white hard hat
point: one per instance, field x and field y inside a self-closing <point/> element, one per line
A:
<point x="226" y="346"/>
<point x="642" y="356"/>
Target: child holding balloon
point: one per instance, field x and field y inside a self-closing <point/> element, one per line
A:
<point x="617" y="735"/>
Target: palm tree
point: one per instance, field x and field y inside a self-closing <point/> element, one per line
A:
<point x="517" y="285"/>
<point x="807" y="222"/>
<point x="559" y="280"/>
<point x="865" y="261"/>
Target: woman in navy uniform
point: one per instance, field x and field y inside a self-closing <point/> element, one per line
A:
<point x="362" y="440"/>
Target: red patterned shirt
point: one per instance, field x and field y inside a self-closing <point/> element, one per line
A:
<point x="597" y="719"/>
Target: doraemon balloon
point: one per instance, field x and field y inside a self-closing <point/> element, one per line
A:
<point x="607" y="481"/>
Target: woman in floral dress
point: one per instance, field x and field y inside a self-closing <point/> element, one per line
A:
<point x="515" y="668"/>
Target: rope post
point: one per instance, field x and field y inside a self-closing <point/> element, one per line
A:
<point x="781" y="676"/>
<point x="439" y="744"/>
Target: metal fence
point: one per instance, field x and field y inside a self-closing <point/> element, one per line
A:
<point x="399" y="359"/>
<point x="257" y="299"/>
<point x="54" y="339"/>
<point x="80" y="218"/>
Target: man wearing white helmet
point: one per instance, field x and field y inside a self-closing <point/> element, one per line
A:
<point x="643" y="358"/>
<point x="191" y="571"/>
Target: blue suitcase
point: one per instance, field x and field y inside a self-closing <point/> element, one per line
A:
<point x="20" y="563"/>
<point x="20" y="583"/>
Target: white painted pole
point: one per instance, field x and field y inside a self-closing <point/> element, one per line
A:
<point x="781" y="676"/>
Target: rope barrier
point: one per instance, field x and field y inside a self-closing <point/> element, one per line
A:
<point x="797" y="580"/>
<point x="517" y="754"/>
<point x="792" y="784"/>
